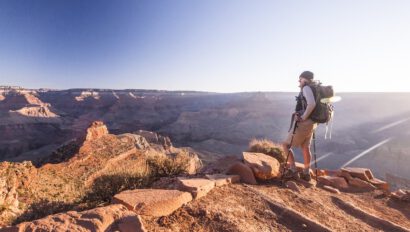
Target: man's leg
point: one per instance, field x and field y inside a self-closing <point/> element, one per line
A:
<point x="306" y="158"/>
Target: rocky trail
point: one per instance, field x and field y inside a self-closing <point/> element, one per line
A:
<point x="269" y="207"/>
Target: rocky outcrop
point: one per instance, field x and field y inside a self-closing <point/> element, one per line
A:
<point x="263" y="166"/>
<point x="152" y="202"/>
<point x="96" y="130"/>
<point x="139" y="141"/>
<point x="109" y="218"/>
<point x="155" y="138"/>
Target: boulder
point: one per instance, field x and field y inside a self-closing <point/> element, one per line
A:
<point x="243" y="171"/>
<point x="263" y="166"/>
<point x="98" y="219"/>
<point x="198" y="187"/>
<point x="334" y="181"/>
<point x="96" y="130"/>
<point x="152" y="202"/>
<point x="361" y="184"/>
<point x="331" y="189"/>
<point x="221" y="179"/>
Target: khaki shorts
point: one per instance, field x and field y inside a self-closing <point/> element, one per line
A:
<point x="303" y="134"/>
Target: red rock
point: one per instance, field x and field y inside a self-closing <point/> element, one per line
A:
<point x="96" y="130"/>
<point x="221" y="179"/>
<point x="293" y="186"/>
<point x="152" y="202"/>
<point x="361" y="173"/>
<point x="243" y="171"/>
<point x="263" y="166"/>
<point x="98" y="219"/>
<point x="365" y="175"/>
<point x="337" y="182"/>
<point x="383" y="185"/>
<point x="359" y="183"/>
<point x="345" y="175"/>
<point x="331" y="189"/>
<point x="198" y="187"/>
<point x="131" y="224"/>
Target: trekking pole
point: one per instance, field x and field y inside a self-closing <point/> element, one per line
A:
<point x="289" y="147"/>
<point x="314" y="153"/>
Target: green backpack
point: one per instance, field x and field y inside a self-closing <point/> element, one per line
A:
<point x="323" y="111"/>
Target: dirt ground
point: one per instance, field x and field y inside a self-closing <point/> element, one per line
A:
<point x="242" y="207"/>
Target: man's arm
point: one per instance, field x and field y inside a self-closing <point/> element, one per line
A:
<point x="310" y="99"/>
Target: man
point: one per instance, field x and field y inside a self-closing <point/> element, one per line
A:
<point x="304" y="128"/>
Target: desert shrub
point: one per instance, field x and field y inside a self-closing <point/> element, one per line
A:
<point x="173" y="165"/>
<point x="106" y="186"/>
<point x="267" y="147"/>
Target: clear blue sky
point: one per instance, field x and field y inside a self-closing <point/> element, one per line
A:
<point x="209" y="45"/>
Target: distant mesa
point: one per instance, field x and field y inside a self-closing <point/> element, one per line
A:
<point x="37" y="111"/>
<point x="96" y="130"/>
<point x="87" y="94"/>
<point x="22" y="102"/>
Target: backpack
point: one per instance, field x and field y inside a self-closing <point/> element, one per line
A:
<point x="323" y="111"/>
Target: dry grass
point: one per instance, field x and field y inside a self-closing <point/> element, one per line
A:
<point x="129" y="174"/>
<point x="57" y="194"/>
<point x="267" y="147"/>
<point x="134" y="173"/>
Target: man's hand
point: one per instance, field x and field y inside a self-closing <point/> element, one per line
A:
<point x="298" y="118"/>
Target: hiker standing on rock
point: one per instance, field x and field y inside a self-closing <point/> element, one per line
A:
<point x="301" y="136"/>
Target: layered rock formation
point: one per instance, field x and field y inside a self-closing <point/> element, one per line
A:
<point x="34" y="122"/>
<point x="96" y="130"/>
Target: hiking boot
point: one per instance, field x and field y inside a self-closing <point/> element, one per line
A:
<point x="291" y="174"/>
<point x="305" y="175"/>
